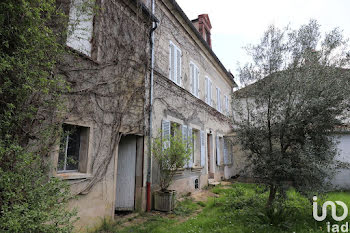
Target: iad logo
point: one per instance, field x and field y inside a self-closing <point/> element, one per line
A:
<point x="334" y="227"/>
<point x="334" y="210"/>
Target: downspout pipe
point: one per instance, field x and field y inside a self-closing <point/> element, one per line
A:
<point x="149" y="163"/>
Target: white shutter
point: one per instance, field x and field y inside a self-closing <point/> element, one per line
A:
<point x="190" y="137"/>
<point x="166" y="133"/>
<point x="80" y="27"/>
<point x="202" y="140"/>
<point x="210" y="96"/>
<point x="172" y="62"/>
<point x="192" y="78"/>
<point x="197" y="82"/>
<point x="207" y="90"/>
<point x="226" y="159"/>
<point x="217" y="99"/>
<point x="178" y="66"/>
<point x="226" y="105"/>
<point x="184" y="137"/>
<point x="218" y="150"/>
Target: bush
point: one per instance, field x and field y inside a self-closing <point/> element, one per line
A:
<point x="30" y="201"/>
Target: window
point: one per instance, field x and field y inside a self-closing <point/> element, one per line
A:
<point x="73" y="149"/>
<point x="175" y="64"/>
<point x="226" y="105"/>
<point x="218" y="99"/>
<point x="80" y="26"/>
<point x="208" y="91"/>
<point x="194" y="77"/>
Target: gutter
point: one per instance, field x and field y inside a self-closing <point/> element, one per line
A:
<point x="149" y="163"/>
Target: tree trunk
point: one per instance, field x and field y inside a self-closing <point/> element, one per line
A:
<point x="272" y="196"/>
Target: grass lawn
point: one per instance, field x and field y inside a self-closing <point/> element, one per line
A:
<point x="237" y="208"/>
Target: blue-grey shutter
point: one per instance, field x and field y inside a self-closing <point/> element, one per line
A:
<point x="202" y="139"/>
<point x="190" y="137"/>
<point x="218" y="150"/>
<point x="166" y="133"/>
<point x="184" y="137"/>
<point x="226" y="157"/>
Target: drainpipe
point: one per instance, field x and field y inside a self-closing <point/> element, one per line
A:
<point x="149" y="167"/>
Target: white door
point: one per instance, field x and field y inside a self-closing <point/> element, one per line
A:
<point x="125" y="194"/>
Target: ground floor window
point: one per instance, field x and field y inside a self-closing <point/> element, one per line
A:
<point x="73" y="149"/>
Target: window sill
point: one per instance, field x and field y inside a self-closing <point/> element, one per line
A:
<point x="73" y="176"/>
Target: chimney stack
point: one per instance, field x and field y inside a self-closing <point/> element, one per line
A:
<point x="203" y="25"/>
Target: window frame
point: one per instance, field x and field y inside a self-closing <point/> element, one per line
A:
<point x="84" y="153"/>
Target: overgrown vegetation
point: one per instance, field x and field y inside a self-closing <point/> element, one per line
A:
<point x="171" y="152"/>
<point x="241" y="208"/>
<point x="30" y="100"/>
<point x="284" y="120"/>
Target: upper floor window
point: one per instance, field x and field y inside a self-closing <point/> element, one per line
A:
<point x="175" y="64"/>
<point x="194" y="77"/>
<point x="218" y="99"/>
<point x="208" y="91"/>
<point x="73" y="149"/>
<point x="80" y="26"/>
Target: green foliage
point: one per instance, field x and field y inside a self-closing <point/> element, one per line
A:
<point x="284" y="120"/>
<point x="30" y="106"/>
<point x="171" y="154"/>
<point x="290" y="214"/>
<point x="185" y="208"/>
<point x="30" y="201"/>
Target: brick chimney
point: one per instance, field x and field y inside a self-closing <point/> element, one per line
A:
<point x="203" y="25"/>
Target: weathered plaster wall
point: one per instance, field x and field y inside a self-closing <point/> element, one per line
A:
<point x="108" y="95"/>
<point x="176" y="103"/>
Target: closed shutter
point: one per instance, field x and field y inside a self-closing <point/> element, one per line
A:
<point x="210" y="97"/>
<point x="197" y="82"/>
<point x="190" y="144"/>
<point x="184" y="137"/>
<point x="206" y="90"/>
<point x="226" y="157"/>
<point x="192" y="78"/>
<point x="202" y="139"/>
<point x="166" y="134"/>
<point x="178" y="66"/>
<point x="172" y="63"/>
<point x="218" y="158"/>
<point x="226" y="105"/>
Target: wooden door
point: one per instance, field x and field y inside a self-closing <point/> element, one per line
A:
<point x="125" y="193"/>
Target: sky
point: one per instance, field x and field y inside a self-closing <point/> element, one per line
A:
<point x="237" y="23"/>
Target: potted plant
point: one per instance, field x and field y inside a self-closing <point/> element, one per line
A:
<point x="171" y="152"/>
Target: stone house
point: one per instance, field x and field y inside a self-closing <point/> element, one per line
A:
<point x="103" y="152"/>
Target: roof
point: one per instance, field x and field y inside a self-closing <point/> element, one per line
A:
<point x="195" y="31"/>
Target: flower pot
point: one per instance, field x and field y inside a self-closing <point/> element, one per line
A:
<point x="164" y="201"/>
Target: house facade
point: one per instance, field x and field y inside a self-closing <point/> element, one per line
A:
<point x="103" y="152"/>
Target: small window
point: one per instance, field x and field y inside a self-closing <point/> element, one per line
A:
<point x="175" y="64"/>
<point x="73" y="149"/>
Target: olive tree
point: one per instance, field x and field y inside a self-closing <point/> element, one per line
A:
<point x="284" y="120"/>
